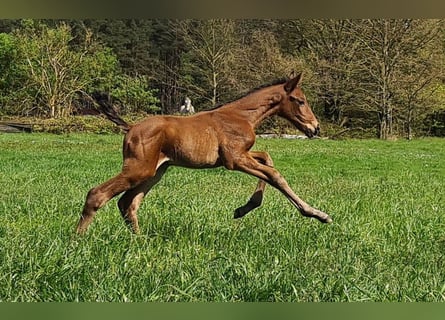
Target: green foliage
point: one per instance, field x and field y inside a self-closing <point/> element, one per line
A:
<point x="53" y="71"/>
<point x="135" y="94"/>
<point x="74" y="124"/>
<point x="69" y="124"/>
<point x="100" y="67"/>
<point x="130" y="40"/>
<point x="373" y="75"/>
<point x="386" y="242"/>
<point x="8" y="53"/>
<point x="56" y="71"/>
<point x="11" y="75"/>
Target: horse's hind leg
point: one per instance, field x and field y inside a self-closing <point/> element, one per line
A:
<point x="99" y="196"/>
<point x="134" y="174"/>
<point x="130" y="201"/>
<point x="257" y="198"/>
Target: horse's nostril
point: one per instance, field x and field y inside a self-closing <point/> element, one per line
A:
<point x="317" y="130"/>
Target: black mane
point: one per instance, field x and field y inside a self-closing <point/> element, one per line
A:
<point x="273" y="83"/>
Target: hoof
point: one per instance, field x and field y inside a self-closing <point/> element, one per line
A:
<point x="321" y="216"/>
<point x="238" y="213"/>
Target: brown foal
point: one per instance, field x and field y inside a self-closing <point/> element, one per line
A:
<point x="219" y="137"/>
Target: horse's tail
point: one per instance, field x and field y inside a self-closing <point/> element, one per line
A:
<point x="106" y="107"/>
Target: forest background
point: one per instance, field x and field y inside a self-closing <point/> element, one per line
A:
<point x="366" y="78"/>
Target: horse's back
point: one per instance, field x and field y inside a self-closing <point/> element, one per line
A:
<point x="190" y="141"/>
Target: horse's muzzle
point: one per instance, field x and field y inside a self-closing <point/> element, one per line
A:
<point x="312" y="132"/>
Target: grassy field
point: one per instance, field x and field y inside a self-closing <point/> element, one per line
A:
<point x="387" y="242"/>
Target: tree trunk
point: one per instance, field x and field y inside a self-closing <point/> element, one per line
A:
<point x="382" y="127"/>
<point x="409" y="124"/>
<point x="386" y="71"/>
<point x="215" y="87"/>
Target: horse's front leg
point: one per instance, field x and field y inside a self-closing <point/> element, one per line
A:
<point x="257" y="198"/>
<point x="247" y="163"/>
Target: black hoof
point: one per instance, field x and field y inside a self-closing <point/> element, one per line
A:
<point x="238" y="214"/>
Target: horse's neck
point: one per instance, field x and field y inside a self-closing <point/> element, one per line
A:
<point x="254" y="107"/>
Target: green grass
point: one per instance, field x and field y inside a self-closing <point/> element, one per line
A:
<point x="387" y="242"/>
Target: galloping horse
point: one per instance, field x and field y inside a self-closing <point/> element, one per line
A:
<point x="219" y="137"/>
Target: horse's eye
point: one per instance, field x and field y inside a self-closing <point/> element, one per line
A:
<point x="301" y="102"/>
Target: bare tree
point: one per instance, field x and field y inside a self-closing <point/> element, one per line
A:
<point x="206" y="65"/>
<point x="392" y="59"/>
<point x="329" y="48"/>
<point x="421" y="74"/>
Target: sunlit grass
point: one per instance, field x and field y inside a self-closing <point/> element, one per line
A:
<point x="387" y="241"/>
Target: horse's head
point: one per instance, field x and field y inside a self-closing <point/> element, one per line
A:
<point x="295" y="108"/>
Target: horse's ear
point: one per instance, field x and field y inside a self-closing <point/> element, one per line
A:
<point x="292" y="82"/>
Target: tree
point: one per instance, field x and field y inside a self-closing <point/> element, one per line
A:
<point x="130" y="40"/>
<point x="205" y="65"/>
<point x="418" y="91"/>
<point x="391" y="52"/>
<point x="167" y="48"/>
<point x="56" y="72"/>
<point x="11" y="75"/>
<point x="135" y="95"/>
<point x="58" y="66"/>
<point x="258" y="59"/>
<point x="329" y="49"/>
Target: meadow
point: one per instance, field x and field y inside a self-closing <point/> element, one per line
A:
<point x="387" y="242"/>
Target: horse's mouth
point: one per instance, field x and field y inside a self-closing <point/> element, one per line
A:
<point x="309" y="133"/>
<point x="312" y="132"/>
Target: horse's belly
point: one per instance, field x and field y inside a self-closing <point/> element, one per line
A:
<point x="197" y="160"/>
<point x="197" y="151"/>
